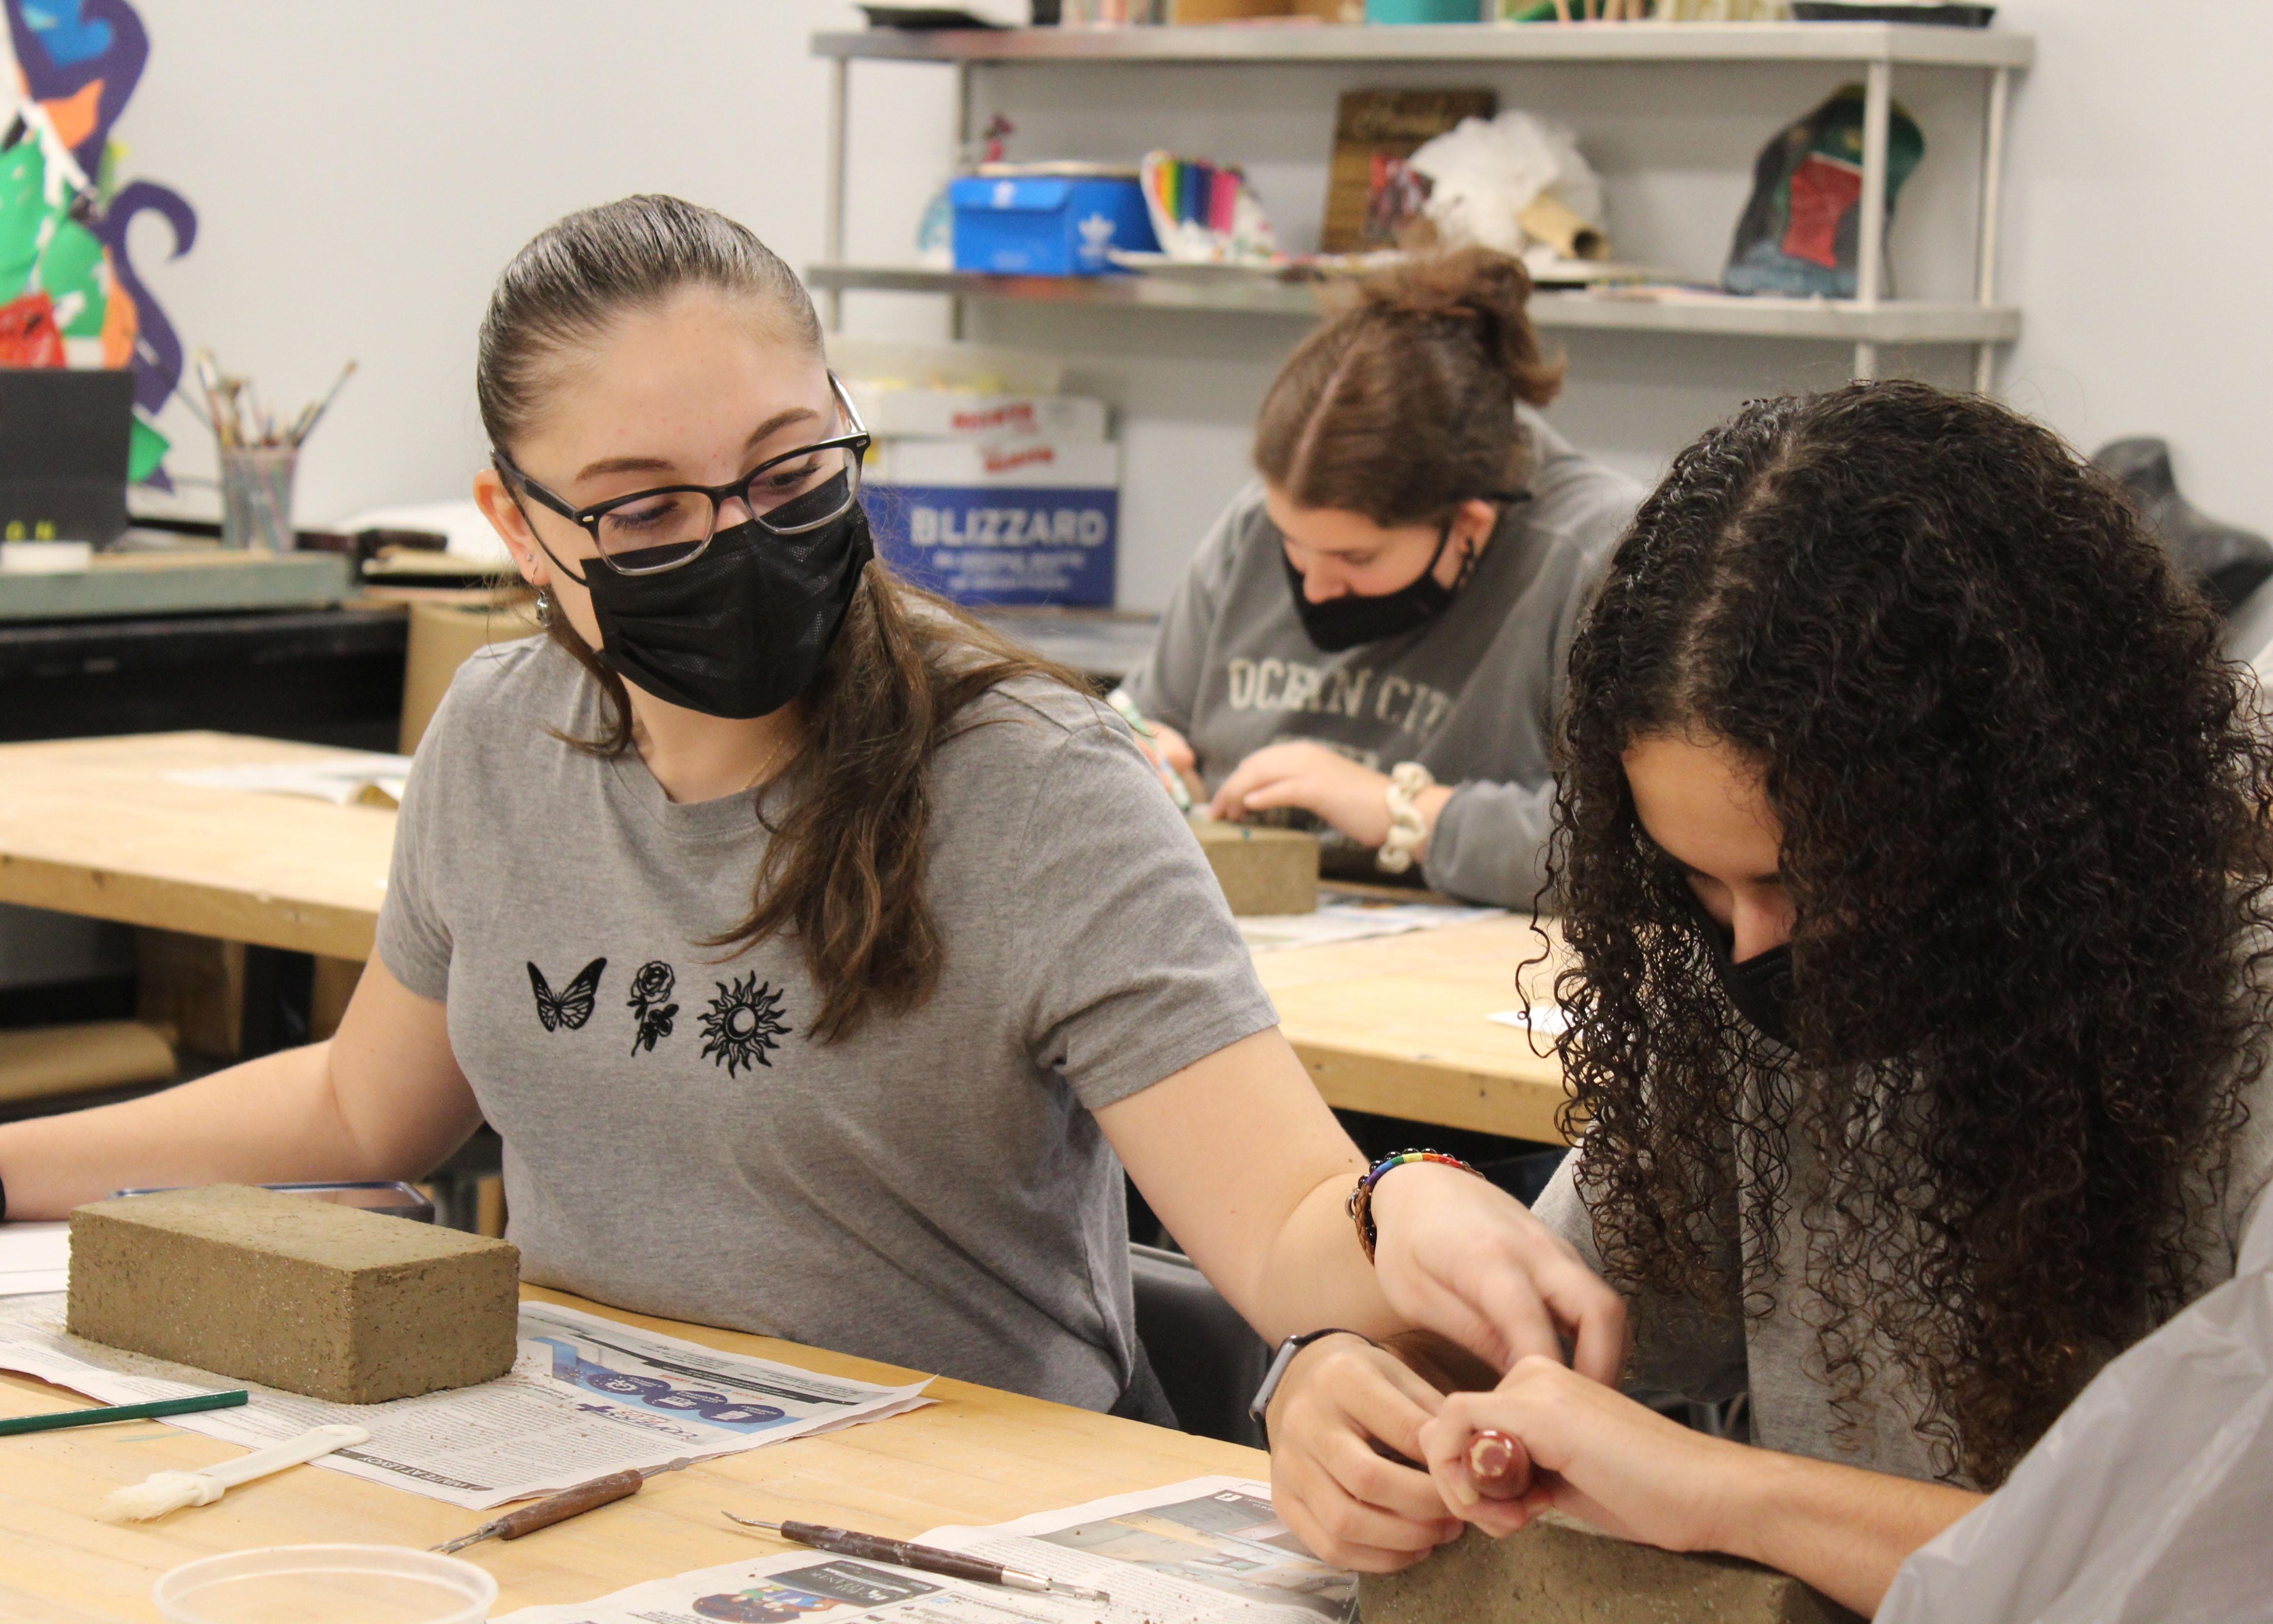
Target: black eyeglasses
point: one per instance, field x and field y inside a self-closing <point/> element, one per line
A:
<point x="649" y="531"/>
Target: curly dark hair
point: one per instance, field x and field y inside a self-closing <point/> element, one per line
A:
<point x="2021" y="798"/>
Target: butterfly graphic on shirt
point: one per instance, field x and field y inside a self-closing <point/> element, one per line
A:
<point x="743" y="1024"/>
<point x="571" y="1005"/>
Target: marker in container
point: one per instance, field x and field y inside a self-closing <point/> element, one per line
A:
<point x="923" y="1559"/>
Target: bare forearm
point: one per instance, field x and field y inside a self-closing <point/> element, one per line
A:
<point x="268" y="1120"/>
<point x="1843" y="1530"/>
<point x="1314" y="1273"/>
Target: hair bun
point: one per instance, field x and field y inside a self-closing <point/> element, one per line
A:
<point x="1480" y="286"/>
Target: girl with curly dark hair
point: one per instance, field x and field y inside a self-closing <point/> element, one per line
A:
<point x="1909" y="854"/>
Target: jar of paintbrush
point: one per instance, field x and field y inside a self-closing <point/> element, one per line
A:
<point x="258" y="454"/>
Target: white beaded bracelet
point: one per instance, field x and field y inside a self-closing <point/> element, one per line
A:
<point x="1406" y="832"/>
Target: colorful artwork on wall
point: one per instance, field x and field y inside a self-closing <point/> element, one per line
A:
<point x="69" y="293"/>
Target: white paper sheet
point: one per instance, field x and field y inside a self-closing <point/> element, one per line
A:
<point x="585" y="1397"/>
<point x="33" y="1258"/>
<point x="343" y="781"/>
<point x="1205" y="1551"/>
<point x="1544" y="1019"/>
<point x="1352" y="921"/>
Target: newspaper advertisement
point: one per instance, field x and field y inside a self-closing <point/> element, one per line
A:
<point x="585" y="1397"/>
<point x="1206" y="1550"/>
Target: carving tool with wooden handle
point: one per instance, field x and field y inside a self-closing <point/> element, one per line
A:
<point x="923" y="1559"/>
<point x="559" y="1508"/>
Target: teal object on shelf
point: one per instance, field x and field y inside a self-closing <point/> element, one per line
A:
<point x="1423" y="10"/>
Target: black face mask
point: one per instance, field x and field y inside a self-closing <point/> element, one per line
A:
<point x="741" y="630"/>
<point x="1759" y="986"/>
<point x="1353" y="619"/>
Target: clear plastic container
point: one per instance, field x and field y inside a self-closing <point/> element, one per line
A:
<point x="338" y="1584"/>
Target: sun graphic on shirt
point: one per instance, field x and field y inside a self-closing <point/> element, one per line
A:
<point x="743" y="1024"/>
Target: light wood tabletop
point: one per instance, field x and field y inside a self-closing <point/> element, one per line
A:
<point x="978" y="1455"/>
<point x="1396" y="1025"/>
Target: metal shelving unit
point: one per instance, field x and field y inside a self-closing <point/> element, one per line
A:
<point x="1867" y="321"/>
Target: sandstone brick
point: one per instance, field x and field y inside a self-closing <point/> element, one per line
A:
<point x="294" y="1293"/>
<point x="1560" y="1572"/>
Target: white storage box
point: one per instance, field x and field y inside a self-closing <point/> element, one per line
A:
<point x="1033" y="521"/>
<point x="962" y="414"/>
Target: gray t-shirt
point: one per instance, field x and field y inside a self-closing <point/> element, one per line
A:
<point x="1471" y="696"/>
<point x="932" y="1190"/>
<point x="1710" y="1357"/>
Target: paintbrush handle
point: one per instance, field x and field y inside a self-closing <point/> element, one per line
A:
<point x="121" y="1412"/>
<point x="567" y="1503"/>
<point x="293" y="1452"/>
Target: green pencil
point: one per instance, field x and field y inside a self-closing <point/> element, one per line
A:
<point x="123" y="1412"/>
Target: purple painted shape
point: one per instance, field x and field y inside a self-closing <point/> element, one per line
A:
<point x="157" y="351"/>
<point x="119" y="67"/>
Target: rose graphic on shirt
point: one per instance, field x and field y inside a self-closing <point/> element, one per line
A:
<point x="649" y="988"/>
<point x="743" y="1024"/>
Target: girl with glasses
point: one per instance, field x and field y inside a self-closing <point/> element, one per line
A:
<point x="821" y="958"/>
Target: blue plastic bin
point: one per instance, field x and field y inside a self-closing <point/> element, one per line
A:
<point x="1047" y="225"/>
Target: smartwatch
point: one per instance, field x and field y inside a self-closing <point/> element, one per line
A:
<point x="1260" y="1406"/>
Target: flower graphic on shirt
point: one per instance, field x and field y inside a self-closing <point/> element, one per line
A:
<point x="743" y="1024"/>
<point x="649" y="988"/>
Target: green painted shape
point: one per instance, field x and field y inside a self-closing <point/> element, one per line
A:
<point x="71" y="264"/>
<point x="145" y="449"/>
<point x="23" y="209"/>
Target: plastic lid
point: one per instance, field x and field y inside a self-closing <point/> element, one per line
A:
<point x="340" y="1584"/>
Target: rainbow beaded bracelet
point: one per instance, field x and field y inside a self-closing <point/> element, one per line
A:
<point x="1359" y="1205"/>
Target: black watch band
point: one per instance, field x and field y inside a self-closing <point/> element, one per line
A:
<point x="1260" y="1405"/>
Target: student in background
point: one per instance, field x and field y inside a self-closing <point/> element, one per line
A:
<point x="1911" y="848"/>
<point x="797" y="934"/>
<point x="1375" y="630"/>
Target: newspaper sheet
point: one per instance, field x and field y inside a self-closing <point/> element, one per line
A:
<point x="33" y="1257"/>
<point x="1206" y="1550"/>
<point x="585" y="1397"/>
<point x="1352" y="921"/>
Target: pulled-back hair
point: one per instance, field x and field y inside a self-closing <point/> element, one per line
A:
<point x="844" y="870"/>
<point x="1402" y="406"/>
<point x="2022" y="800"/>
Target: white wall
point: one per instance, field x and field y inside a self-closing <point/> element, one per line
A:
<point x="2140" y="239"/>
<point x="362" y="170"/>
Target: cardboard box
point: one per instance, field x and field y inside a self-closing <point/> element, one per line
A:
<point x="984" y="369"/>
<point x="1047" y="225"/>
<point x="1024" y="523"/>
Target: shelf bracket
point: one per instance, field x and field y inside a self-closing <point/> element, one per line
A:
<point x="832" y="218"/>
<point x="1993" y="173"/>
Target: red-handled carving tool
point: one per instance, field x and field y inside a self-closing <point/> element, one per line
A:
<point x="559" y="1508"/>
<point x="1500" y="1464"/>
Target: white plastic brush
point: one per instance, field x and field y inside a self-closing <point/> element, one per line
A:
<point x="169" y="1491"/>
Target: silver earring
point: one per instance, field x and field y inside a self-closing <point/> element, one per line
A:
<point x="544" y="607"/>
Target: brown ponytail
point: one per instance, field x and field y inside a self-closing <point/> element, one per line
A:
<point x="843" y="873"/>
<point x="1402" y="406"/>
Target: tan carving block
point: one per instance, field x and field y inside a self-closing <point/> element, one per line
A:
<point x="1262" y="871"/>
<point x="294" y="1293"/>
<point x="1560" y="1572"/>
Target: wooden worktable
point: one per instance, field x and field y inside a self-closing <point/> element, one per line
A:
<point x="1394" y="1025"/>
<point x="978" y="1455"/>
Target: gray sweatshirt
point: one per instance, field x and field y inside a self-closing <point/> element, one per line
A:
<point x="1471" y="696"/>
